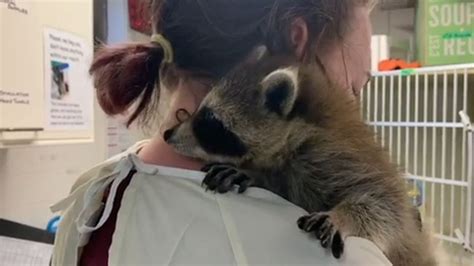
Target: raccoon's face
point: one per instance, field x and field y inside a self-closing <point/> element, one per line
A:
<point x="246" y="117"/>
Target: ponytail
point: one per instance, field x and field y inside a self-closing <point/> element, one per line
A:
<point x="125" y="74"/>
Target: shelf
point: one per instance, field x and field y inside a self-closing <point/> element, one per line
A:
<point x="427" y="70"/>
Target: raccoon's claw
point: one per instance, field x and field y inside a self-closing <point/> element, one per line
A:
<point x="223" y="177"/>
<point x="324" y="230"/>
<point x="208" y="167"/>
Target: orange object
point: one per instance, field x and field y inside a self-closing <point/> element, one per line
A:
<point x="415" y="64"/>
<point x="396" y="64"/>
<point x="387" y="65"/>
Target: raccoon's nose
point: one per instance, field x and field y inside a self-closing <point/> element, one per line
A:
<point x="168" y="133"/>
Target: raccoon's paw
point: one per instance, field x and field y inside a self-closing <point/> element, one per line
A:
<point x="321" y="224"/>
<point x="222" y="178"/>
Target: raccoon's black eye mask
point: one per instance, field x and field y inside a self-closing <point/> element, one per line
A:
<point x="214" y="137"/>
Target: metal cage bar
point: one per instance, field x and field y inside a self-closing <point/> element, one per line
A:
<point x="422" y="120"/>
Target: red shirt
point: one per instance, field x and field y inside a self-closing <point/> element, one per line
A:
<point x="96" y="252"/>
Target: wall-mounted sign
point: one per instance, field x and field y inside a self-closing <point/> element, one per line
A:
<point x="46" y="94"/>
<point x="68" y="87"/>
<point x="445" y="31"/>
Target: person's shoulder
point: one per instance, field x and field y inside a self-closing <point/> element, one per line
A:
<point x="107" y="167"/>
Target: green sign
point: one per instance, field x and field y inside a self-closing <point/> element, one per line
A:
<point x="445" y="31"/>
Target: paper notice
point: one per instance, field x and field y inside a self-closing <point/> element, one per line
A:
<point x="68" y="87"/>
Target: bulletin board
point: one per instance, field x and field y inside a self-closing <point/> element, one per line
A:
<point x="46" y="94"/>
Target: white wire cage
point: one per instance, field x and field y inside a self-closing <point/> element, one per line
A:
<point x="422" y="118"/>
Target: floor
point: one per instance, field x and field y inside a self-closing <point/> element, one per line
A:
<point x="455" y="255"/>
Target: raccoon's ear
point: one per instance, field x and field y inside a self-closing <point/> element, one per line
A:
<point x="280" y="89"/>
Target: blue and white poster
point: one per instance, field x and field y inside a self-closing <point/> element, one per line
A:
<point x="69" y="94"/>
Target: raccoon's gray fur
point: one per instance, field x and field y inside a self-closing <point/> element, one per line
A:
<point x="287" y="129"/>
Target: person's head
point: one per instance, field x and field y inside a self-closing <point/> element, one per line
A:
<point x="264" y="107"/>
<point x="209" y="37"/>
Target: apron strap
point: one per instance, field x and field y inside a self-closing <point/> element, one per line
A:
<point x="91" y="198"/>
<point x="232" y="234"/>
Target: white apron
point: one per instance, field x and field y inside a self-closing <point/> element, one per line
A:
<point x="167" y="218"/>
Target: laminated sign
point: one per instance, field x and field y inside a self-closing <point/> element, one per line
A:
<point x="46" y="92"/>
<point x="445" y="32"/>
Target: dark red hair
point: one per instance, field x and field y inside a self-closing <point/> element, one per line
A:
<point x="207" y="36"/>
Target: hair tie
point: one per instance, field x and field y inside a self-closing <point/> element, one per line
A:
<point x="166" y="45"/>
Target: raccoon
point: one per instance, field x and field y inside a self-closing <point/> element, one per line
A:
<point x="280" y="125"/>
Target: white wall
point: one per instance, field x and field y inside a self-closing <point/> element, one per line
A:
<point x="399" y="25"/>
<point x="393" y="21"/>
<point x="33" y="178"/>
<point x="118" y="24"/>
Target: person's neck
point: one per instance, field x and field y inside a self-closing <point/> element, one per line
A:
<point x="158" y="152"/>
